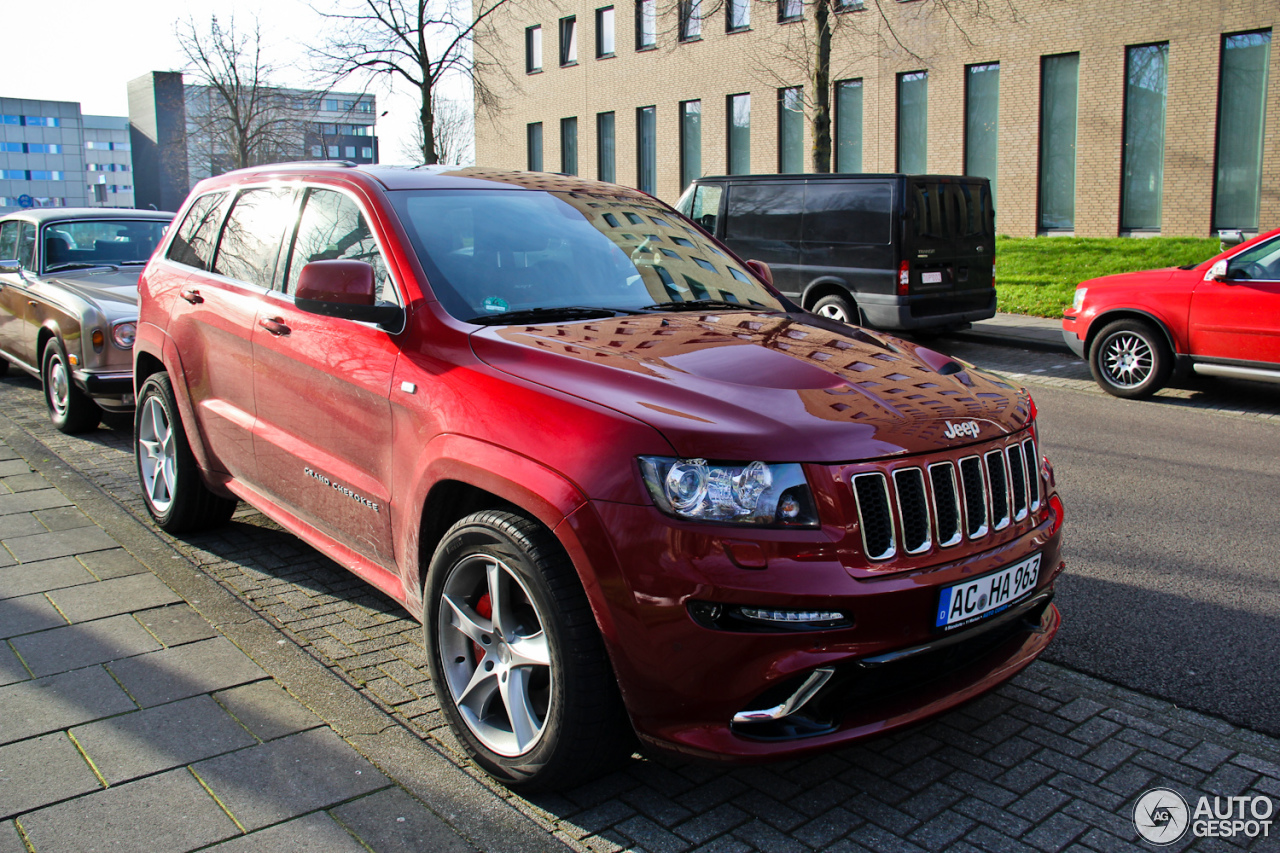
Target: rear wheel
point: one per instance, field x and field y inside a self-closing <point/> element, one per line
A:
<point x="70" y="409"/>
<point x="836" y="306"/>
<point x="1130" y="359"/>
<point x="516" y="657"/>
<point x="176" y="497"/>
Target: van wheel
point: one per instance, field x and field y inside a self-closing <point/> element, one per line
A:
<point x="1130" y="359"/>
<point x="516" y="657"/>
<point x="175" y="495"/>
<point x="834" y="306"/>
<point x="70" y="409"/>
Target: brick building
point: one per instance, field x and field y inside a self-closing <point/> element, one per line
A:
<point x="1127" y="117"/>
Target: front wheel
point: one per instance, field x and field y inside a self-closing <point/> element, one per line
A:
<point x="1130" y="359"/>
<point x="176" y="497"/>
<point x="70" y="409"/>
<point x="835" y="306"/>
<point x="515" y="656"/>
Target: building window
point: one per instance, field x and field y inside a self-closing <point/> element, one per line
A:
<point x="790" y="10"/>
<point x="604" y="32"/>
<point x="317" y="151"/>
<point x="333" y="152"/>
<point x="690" y="142"/>
<point x="46" y="148"/>
<point x="981" y="121"/>
<point x="606" y="155"/>
<point x="647" y="149"/>
<point x="569" y="145"/>
<point x="366" y="153"/>
<point x="739" y="17"/>
<point x="1059" y="98"/>
<point x="848" y="126"/>
<point x="1146" y="83"/>
<point x="46" y="175"/>
<point x="913" y="122"/>
<point x="690" y="20"/>
<point x="739" y="134"/>
<point x="532" y="49"/>
<point x="568" y="40"/>
<point x="533" y="136"/>
<point x="1242" y="109"/>
<point x="850" y="5"/>
<point x="646" y="24"/>
<point x="791" y="129"/>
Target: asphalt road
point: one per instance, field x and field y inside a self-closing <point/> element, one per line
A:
<point x="1173" y="550"/>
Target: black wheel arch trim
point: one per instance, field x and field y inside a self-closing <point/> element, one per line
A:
<point x="1103" y="320"/>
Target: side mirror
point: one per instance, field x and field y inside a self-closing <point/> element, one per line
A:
<point x="1229" y="237"/>
<point x="761" y="269"/>
<point x="10" y="267"/>
<point x="344" y="289"/>
<point x="1217" y="272"/>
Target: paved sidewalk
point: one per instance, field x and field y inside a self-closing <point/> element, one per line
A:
<point x="129" y="722"/>
<point x="1019" y="330"/>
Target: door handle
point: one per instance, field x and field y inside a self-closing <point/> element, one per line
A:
<point x="192" y="295"/>
<point x="274" y="325"/>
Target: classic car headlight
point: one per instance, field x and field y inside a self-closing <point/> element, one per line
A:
<point x="733" y="492"/>
<point x="1078" y="302"/>
<point x="123" y="333"/>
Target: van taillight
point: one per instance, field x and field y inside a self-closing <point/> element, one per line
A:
<point x="904" y="277"/>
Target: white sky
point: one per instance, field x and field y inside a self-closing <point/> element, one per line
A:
<point x="89" y="50"/>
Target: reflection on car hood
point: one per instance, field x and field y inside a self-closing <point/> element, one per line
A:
<point x="775" y="387"/>
<point x="101" y="286"/>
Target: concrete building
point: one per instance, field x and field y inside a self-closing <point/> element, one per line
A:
<point x="108" y="159"/>
<point x="1129" y="117"/>
<point x="41" y="154"/>
<point x="178" y="138"/>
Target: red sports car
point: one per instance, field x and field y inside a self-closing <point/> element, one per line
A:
<point x="1219" y="318"/>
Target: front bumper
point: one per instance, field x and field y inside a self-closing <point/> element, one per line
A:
<point x="112" y="391"/>
<point x="1071" y="338"/>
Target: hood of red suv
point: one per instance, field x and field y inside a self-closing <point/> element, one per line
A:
<point x="774" y="387"/>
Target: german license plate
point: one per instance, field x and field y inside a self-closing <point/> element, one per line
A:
<point x="965" y="603"/>
<point x="931" y="278"/>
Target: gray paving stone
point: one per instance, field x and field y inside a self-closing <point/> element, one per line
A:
<point x="391" y="821"/>
<point x="26" y="615"/>
<point x="20" y="524"/>
<point x="31" y="501"/>
<point x="176" y="625"/>
<point x="13" y="467"/>
<point x="266" y="783"/>
<point x="113" y="597"/>
<point x="171" y="674"/>
<point x="39" y="771"/>
<point x="29" y="578"/>
<point x="35" y="707"/>
<point x="84" y="644"/>
<point x="63" y="543"/>
<point x="62" y="518"/>
<point x="166" y="812"/>
<point x="267" y="710"/>
<point x="113" y="563"/>
<point x="11" y="669"/>
<point x="10" y="841"/>
<point x="308" y="834"/>
<point x="24" y="482"/>
<point x="155" y="739"/>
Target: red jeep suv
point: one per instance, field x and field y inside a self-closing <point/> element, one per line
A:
<point x="626" y="486"/>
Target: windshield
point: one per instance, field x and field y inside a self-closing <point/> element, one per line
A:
<point x="489" y="253"/>
<point x="97" y="242"/>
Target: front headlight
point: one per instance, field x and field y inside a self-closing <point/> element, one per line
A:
<point x="1078" y="302"/>
<point x="123" y="334"/>
<point x="734" y="493"/>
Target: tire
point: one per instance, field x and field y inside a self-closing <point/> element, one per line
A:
<point x="176" y="497"/>
<point x="1130" y="359"/>
<point x="565" y="723"/>
<point x="70" y="409"/>
<point x="836" y="306"/>
<point x="4" y="366"/>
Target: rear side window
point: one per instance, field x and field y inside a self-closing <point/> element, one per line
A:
<point x="848" y="212"/>
<point x="251" y="238"/>
<point x="765" y="212"/>
<point x="192" y="246"/>
<point x="333" y="228"/>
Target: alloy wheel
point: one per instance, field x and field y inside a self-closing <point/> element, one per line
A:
<point x="59" y="386"/>
<point x="834" y="312"/>
<point x="157" y="456"/>
<point x="1127" y="359"/>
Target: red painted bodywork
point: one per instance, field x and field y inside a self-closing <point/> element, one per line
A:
<point x="1230" y="321"/>
<point x="551" y="419"/>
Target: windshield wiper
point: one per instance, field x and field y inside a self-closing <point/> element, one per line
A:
<point x="702" y="304"/>
<point x="132" y="263"/>
<point x="75" y="265"/>
<point x="559" y="312"/>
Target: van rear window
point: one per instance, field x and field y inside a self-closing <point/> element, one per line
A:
<point x="950" y="211"/>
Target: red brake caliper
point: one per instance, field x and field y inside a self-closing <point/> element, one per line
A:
<point x="484" y="607"/>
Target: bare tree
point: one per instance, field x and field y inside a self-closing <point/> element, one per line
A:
<point x="418" y="42"/>
<point x="454" y="126"/>
<point x="235" y="117"/>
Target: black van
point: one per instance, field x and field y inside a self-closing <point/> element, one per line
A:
<point x="887" y="251"/>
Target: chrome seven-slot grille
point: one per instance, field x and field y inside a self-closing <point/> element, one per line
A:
<point x="917" y="507"/>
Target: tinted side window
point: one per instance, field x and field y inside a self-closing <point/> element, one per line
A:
<point x="765" y="211"/>
<point x="848" y="212"/>
<point x="333" y="228"/>
<point x="9" y="241"/>
<point x="193" y="244"/>
<point x="251" y="238"/>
